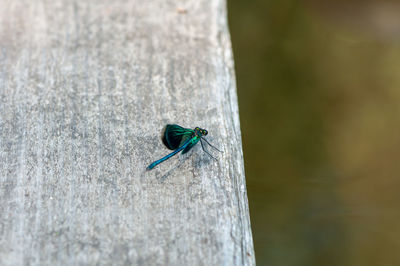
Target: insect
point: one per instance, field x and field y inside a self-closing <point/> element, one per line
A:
<point x="182" y="139"/>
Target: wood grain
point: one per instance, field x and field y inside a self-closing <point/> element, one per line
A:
<point x="85" y="90"/>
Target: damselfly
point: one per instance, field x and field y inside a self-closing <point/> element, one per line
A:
<point x="182" y="139"/>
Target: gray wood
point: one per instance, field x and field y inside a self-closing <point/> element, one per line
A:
<point x="85" y="90"/>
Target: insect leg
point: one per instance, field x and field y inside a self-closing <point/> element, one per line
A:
<point x="211" y="145"/>
<point x="202" y="146"/>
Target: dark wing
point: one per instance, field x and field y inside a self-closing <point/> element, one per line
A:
<point x="190" y="145"/>
<point x="174" y="136"/>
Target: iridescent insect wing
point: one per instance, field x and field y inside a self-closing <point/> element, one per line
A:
<point x="174" y="136"/>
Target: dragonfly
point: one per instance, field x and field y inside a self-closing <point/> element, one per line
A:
<point x="178" y="139"/>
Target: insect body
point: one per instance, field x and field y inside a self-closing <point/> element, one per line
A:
<point x="182" y="139"/>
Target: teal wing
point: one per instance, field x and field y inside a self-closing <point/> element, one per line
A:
<point x="174" y="136"/>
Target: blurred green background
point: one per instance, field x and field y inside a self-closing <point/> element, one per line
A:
<point x="319" y="97"/>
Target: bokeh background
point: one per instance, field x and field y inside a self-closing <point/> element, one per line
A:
<point x="319" y="97"/>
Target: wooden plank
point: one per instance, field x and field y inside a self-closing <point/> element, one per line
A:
<point x="85" y="90"/>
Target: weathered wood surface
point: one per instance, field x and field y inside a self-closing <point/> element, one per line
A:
<point x="85" y="90"/>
